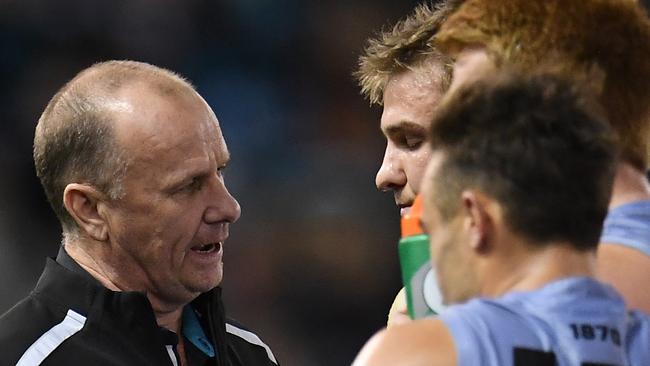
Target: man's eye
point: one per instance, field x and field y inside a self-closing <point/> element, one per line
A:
<point x="192" y="186"/>
<point x="412" y="142"/>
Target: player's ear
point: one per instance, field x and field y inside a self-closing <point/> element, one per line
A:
<point x="477" y="221"/>
<point x="83" y="202"/>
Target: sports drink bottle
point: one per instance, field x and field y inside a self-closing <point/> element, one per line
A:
<point x="423" y="297"/>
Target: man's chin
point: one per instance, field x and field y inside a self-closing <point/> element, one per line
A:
<point x="404" y="203"/>
<point x="205" y="283"/>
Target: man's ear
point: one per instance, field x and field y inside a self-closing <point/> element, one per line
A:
<point x="477" y="220"/>
<point x="82" y="203"/>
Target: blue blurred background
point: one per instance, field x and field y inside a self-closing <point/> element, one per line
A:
<point x="311" y="265"/>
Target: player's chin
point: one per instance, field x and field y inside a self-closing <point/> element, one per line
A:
<point x="404" y="199"/>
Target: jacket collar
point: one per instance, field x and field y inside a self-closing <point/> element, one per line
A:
<point x="67" y="283"/>
<point x="76" y="284"/>
<point x="78" y="290"/>
<point x="65" y="260"/>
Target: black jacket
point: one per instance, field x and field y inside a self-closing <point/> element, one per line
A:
<point x="112" y="328"/>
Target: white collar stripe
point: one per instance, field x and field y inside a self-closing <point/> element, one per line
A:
<point x="250" y="338"/>
<point x="50" y="340"/>
<point x="172" y="355"/>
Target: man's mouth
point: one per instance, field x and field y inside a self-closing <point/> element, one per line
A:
<point x="404" y="209"/>
<point x="207" y="248"/>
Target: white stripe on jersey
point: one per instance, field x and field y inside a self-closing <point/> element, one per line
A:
<point x="250" y="338"/>
<point x="50" y="340"/>
<point x="172" y="355"/>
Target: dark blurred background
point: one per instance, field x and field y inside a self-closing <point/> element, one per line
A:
<point x="311" y="265"/>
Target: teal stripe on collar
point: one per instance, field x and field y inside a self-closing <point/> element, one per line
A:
<point x="193" y="331"/>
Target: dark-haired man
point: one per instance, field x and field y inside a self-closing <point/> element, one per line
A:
<point x="131" y="158"/>
<point x="514" y="199"/>
<point x="526" y="34"/>
<point x="602" y="44"/>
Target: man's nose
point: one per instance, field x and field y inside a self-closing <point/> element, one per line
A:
<point x="390" y="175"/>
<point x="222" y="206"/>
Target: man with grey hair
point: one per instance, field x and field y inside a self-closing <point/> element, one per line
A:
<point x="131" y="158"/>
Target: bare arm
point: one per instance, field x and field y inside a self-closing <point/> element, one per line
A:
<point x="423" y="342"/>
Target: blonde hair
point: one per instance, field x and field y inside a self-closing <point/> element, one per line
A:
<point x="407" y="46"/>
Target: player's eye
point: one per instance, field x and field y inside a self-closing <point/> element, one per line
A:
<point x="413" y="142"/>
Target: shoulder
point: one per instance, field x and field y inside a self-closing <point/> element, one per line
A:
<point x="25" y="323"/>
<point x="627" y="269"/>
<point x="638" y="337"/>
<point x="628" y="225"/>
<point x="248" y="347"/>
<point x="421" y="342"/>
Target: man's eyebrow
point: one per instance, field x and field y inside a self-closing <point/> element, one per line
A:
<point x="405" y="126"/>
<point x="188" y="171"/>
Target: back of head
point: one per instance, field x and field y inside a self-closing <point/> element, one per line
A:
<point x="605" y="43"/>
<point x="537" y="146"/>
<point x="75" y="141"/>
<point x="406" y="46"/>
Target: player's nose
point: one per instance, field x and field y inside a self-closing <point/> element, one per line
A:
<point x="390" y="175"/>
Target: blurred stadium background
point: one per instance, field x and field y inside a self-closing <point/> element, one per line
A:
<point x="311" y="265"/>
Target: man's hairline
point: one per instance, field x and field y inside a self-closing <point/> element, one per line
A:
<point x="431" y="66"/>
<point x="109" y="104"/>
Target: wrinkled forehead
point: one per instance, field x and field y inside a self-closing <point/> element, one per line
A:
<point x="429" y="74"/>
<point x="149" y="124"/>
<point x="411" y="96"/>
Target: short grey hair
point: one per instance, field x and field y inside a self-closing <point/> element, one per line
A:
<point x="75" y="140"/>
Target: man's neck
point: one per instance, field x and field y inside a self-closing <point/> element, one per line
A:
<point x="630" y="184"/>
<point x="539" y="267"/>
<point x="171" y="320"/>
<point x="167" y="315"/>
<point x="93" y="267"/>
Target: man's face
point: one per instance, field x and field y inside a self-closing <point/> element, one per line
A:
<point x="451" y="255"/>
<point x="410" y="100"/>
<point x="470" y="64"/>
<point x="169" y="228"/>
